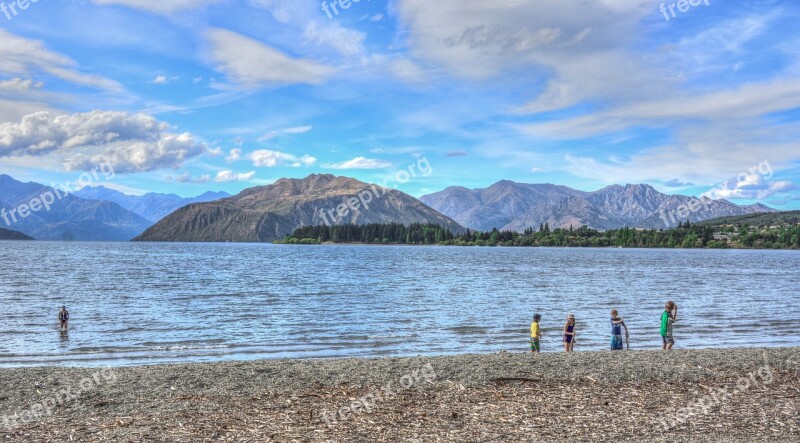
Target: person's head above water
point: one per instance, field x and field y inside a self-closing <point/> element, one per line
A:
<point x="670" y="305"/>
<point x="63" y="308"/>
<point x="571" y="317"/>
<point x="614" y="313"/>
<point x="537" y="317"/>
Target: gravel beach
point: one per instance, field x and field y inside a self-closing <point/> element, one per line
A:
<point x="737" y="395"/>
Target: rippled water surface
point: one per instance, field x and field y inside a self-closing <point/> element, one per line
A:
<point x="134" y="303"/>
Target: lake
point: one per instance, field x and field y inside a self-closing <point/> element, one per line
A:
<point x="146" y="303"/>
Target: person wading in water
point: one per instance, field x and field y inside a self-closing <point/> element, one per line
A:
<point x="63" y="317"/>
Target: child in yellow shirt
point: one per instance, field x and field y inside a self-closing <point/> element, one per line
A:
<point x="535" y="334"/>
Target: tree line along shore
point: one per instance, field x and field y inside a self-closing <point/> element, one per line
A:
<point x="687" y="235"/>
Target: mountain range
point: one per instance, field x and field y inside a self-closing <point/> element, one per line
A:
<point x="268" y="213"/>
<point x="152" y="206"/>
<point x="507" y="205"/>
<point x="67" y="217"/>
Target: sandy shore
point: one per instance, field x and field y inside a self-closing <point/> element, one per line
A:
<point x="702" y="395"/>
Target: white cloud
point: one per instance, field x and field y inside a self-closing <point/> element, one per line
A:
<point x="214" y="152"/>
<point x="230" y="176"/>
<point x="345" y="41"/>
<point x="17" y="85"/>
<point x="675" y="183"/>
<point x="359" y="163"/>
<point x="376" y="18"/>
<point x="158" y="6"/>
<point x="745" y="101"/>
<point x="269" y="159"/>
<point x="235" y="155"/>
<point x="407" y="71"/>
<point x="11" y="110"/>
<point x="163" y="80"/>
<point x="21" y="56"/>
<point x="188" y="178"/>
<point x="238" y="141"/>
<point x="298" y="130"/>
<point x="567" y="40"/>
<point x="275" y="134"/>
<point x="253" y="64"/>
<point x="749" y="187"/>
<point x="130" y="142"/>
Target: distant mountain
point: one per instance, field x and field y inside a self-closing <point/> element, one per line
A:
<point x="496" y="206"/>
<point x="770" y="219"/>
<point x="514" y="206"/>
<point x="7" y="234"/>
<point x="268" y="213"/>
<point x="68" y="218"/>
<point x="152" y="206"/>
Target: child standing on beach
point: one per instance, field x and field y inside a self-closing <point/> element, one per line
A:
<point x="616" y="331"/>
<point x="668" y="317"/>
<point x="535" y="334"/>
<point x="569" y="333"/>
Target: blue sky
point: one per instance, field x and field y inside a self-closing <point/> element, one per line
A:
<point x="186" y="96"/>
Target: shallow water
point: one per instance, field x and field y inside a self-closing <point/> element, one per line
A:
<point x="144" y="303"/>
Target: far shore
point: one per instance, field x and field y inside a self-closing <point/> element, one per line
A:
<point x="736" y="395"/>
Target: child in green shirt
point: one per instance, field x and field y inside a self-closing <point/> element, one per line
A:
<point x="668" y="317"/>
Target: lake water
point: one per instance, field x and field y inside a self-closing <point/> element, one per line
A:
<point x="143" y="303"/>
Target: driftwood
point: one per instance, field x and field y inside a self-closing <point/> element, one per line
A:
<point x="532" y="380"/>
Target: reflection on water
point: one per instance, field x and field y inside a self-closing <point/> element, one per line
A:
<point x="136" y="303"/>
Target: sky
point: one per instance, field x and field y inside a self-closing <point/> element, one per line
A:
<point x="186" y="96"/>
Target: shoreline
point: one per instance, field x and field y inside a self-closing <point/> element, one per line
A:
<point x="627" y="396"/>
<point x="81" y="365"/>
